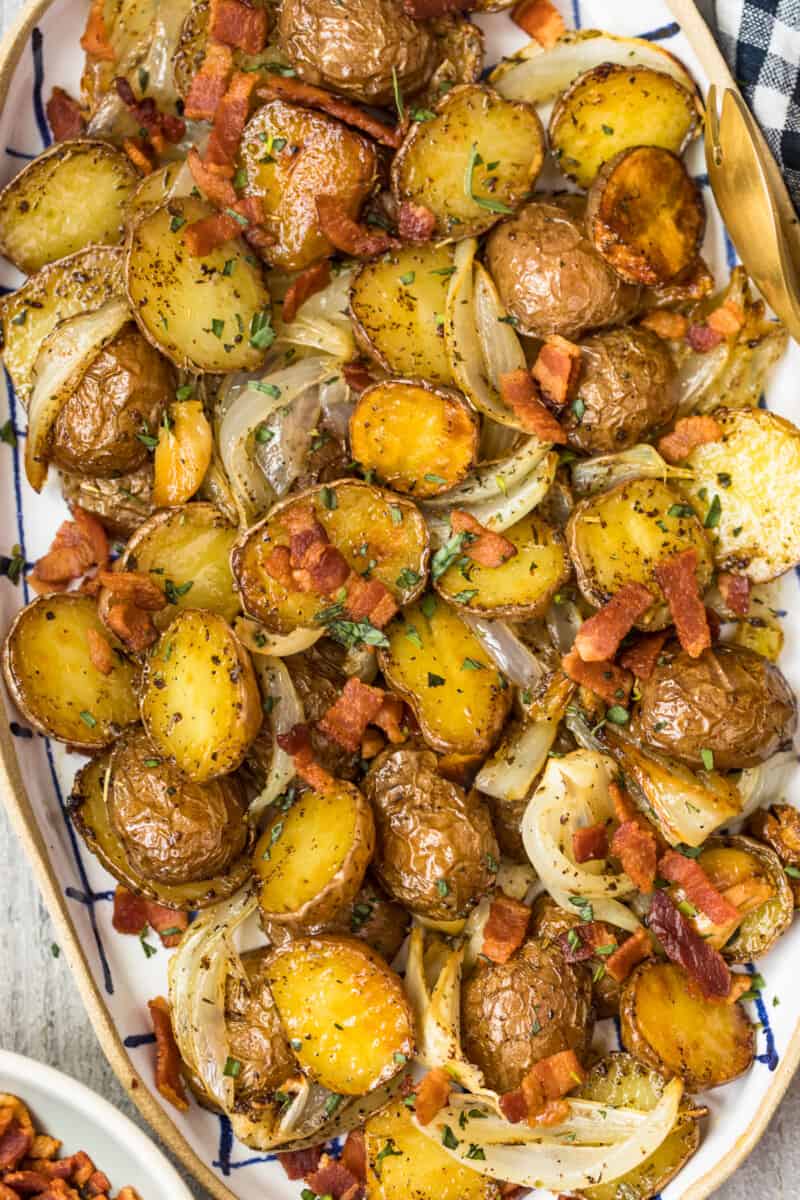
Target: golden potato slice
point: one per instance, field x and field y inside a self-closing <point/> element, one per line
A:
<point x="745" y="486"/>
<point x="397" y="306"/>
<point x="404" y="1164"/>
<point x="437" y="663"/>
<point x="54" y="683"/>
<point x="344" y="1011"/>
<point x="611" y="108"/>
<point x="619" y="536"/>
<point x="645" y="215"/>
<point x="73" y="195"/>
<point x="669" y="1027"/>
<point x="475" y="162"/>
<point x="417" y="438"/>
<point x="89" y="814"/>
<point x="312" y="856"/>
<point x="205" y="314"/>
<point x="291" y="156"/>
<point x="376" y="531"/>
<point x="200" y="700"/>
<point x="523" y="586"/>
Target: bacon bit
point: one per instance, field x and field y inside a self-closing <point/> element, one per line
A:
<point x="297" y="743"/>
<point x="590" y="843"/>
<point x="333" y="1179"/>
<point x="643" y="655"/>
<point x="432" y="1093"/>
<point x="24" y="1183"/>
<point x="513" y="1107"/>
<point x="138" y="155"/>
<point x="371" y="744"/>
<point x="136" y="587"/>
<point x="598" y="638"/>
<point x="98" y="1184"/>
<point x="702" y="338"/>
<point x="45" y="1146"/>
<point x="278" y="565"/>
<point x="170" y="924"/>
<point x="348" y="235"/>
<point x="347" y="719"/>
<point x="168" y="1060"/>
<point x="687" y="948"/>
<point x="95" y="39"/>
<point x="519" y="393"/>
<point x="15" y="1142"/>
<point x="78" y="545"/>
<point x="298" y="1164"/>
<point x="610" y="683"/>
<point x="214" y="186"/>
<point x="484" y="547"/>
<point x="130" y="912"/>
<point x="389" y="717"/>
<point x="670" y="326"/>
<point x="505" y="929"/>
<point x="637" y="850"/>
<point x="210" y="83"/>
<point x="555" y="1112"/>
<point x="64" y="115"/>
<point x="202" y="237"/>
<point x="624" y="808"/>
<point x="728" y="319"/>
<point x="557" y="370"/>
<point x="700" y="891"/>
<point x="230" y="119"/>
<point x="296" y="92"/>
<point x="689" y="432"/>
<point x="371" y="600"/>
<point x="548" y="1081"/>
<point x="159" y="125"/>
<point x="307" y="284"/>
<point x="354" y="1155"/>
<point x="133" y="626"/>
<point x="677" y="578"/>
<point x="735" y="592"/>
<point x="357" y="376"/>
<point x="583" y="941"/>
<point x="101" y="655"/>
<point x="632" y="951"/>
<point x="415" y="222"/>
<point x="540" y="19"/>
<point x="239" y="25"/>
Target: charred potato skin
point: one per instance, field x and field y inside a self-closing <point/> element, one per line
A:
<point x="778" y="827"/>
<point x="435" y="843"/>
<point x="627" y="386"/>
<point x="502" y="1003"/>
<point x="730" y="701"/>
<point x="549" y="275"/>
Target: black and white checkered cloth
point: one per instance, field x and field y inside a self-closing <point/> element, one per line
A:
<point x="761" y="41"/>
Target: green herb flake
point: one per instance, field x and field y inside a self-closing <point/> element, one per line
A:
<point x="55" y="949"/>
<point x="176" y="223"/>
<point x="486" y="202"/>
<point x="449" y="1139"/>
<point x="331" y="1104"/>
<point x="264" y="434"/>
<point x="88" y="719"/>
<point x="680" y="510"/>
<point x="435" y="681"/>
<point x="184" y="392"/>
<point x="268" y="389"/>
<point x="472" y="664"/>
<point x="173" y="591"/>
<point x="8" y="434"/>
<point x="217" y="326"/>
<point x="262" y="335"/>
<point x="232" y="1067"/>
<point x="443" y="887"/>
<point x="412" y="633"/>
<point x="149" y="950"/>
<point x="714" y="513"/>
<point x="707" y="757"/>
<point x="447" y="554"/>
<point x="618" y="715"/>
<point x="230" y="266"/>
<point x="428" y="605"/>
<point x="578" y="408"/>
<point x="328" y="498"/>
<point x="387" y="1150"/>
<point x="476" y="1152"/>
<point x="407" y="579"/>
<point x="408" y="278"/>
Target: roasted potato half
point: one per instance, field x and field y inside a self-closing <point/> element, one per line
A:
<point x="474" y="162"/>
<point x="344" y="1011"/>
<point x="549" y="923"/>
<point x="418" y="438"/>
<point x="312" y="856"/>
<point x="437" y="664"/>
<point x="73" y="195"/>
<point x="397" y="306"/>
<point x="619" y="536"/>
<point x="373" y="529"/>
<point x="522" y="586"/>
<point x="291" y="156"/>
<point x="646" y="216"/>
<point x="63" y="694"/>
<point x="201" y="313"/>
<point x="611" y="108"/>
<point x="778" y="827"/>
<point x="670" y="1027"/>
<point x="200" y="701"/>
<point x="151" y="191"/>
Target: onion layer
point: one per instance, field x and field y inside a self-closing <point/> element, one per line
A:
<point x="285" y="710"/>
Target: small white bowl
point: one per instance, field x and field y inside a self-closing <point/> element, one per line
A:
<point x="82" y="1120"/>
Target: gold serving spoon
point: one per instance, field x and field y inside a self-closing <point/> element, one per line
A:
<point x="739" y="179"/>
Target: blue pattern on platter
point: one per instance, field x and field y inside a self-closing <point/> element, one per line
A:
<point x="128" y="978"/>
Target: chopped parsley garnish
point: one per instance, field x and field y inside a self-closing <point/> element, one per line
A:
<point x="447" y="554"/>
<point x="217" y="326"/>
<point x="618" y="715"/>
<point x="476" y="1152"/>
<point x="475" y="160"/>
<point x="149" y="950"/>
<point x="269" y="389"/>
<point x="264" y="434"/>
<point x="8" y="434"/>
<point x="472" y="664"/>
<point x="443" y="887"/>
<point x="232" y="1067"/>
<point x="707" y="757"/>
<point x="435" y="681"/>
<point x="449" y="1139"/>
<point x="408" y="278"/>
<point x="714" y="513"/>
<point x="328" y="497"/>
<point x="331" y="1104"/>
<point x="407" y="578"/>
<point x="88" y="719"/>
<point x="584" y="907"/>
<point x="173" y="591"/>
<point x="262" y="335"/>
<point x="388" y="1150"/>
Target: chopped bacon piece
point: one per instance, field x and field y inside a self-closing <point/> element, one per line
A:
<point x="703" y="338"/>
<point x="169" y="923"/>
<point x="15" y="1142"/>
<point x="158" y="124"/>
<point x="128" y="1193"/>
<point x="136" y="587"/>
<point x="700" y="891"/>
<point x="297" y="742"/>
<point x="297" y="92"/>
<point x="735" y="592"/>
<point x="137" y="153"/>
<point x="548" y="1082"/>
<point x="415" y="222"/>
<point x="598" y="638"/>
<point x="299" y="1164"/>
<point x="236" y="24"/>
<point x="215" y="186"/>
<point x="584" y="940"/>
<point x="205" y="235"/>
<point x="210" y="83"/>
<point x="624" y="808"/>
<point x="483" y="546"/>
<point x="45" y="1146"/>
<point x="130" y="912"/>
<point x="64" y="115"/>
<point x="689" y="432"/>
<point x="637" y="850"/>
<point x="728" y="319"/>
<point x="432" y="1093"/>
<point x="78" y="545"/>
<point x="347" y="235"/>
<point x="389" y="717"/>
<point x="370" y="599"/>
<point x="333" y="1179"/>
<point x="540" y="19"/>
<point x="643" y="655"/>
<point x="670" y="326"/>
<point x="98" y="1184"/>
<point x="278" y="565"/>
<point x="685" y="946"/>
<point x="357" y="376"/>
<point x="168" y="1060"/>
<point x="372" y="743"/>
<point x="513" y="1107"/>
<point x="608" y="682"/>
<point x="632" y="951"/>
<point x="519" y="392"/>
<point x="95" y="39"/>
<point x="590" y="843"/>
<point x="348" y="717"/>
<point x="354" y="1155"/>
<point x="230" y="119"/>
<point x="325" y="570"/>
<point x="505" y="929"/>
<point x="132" y="625"/>
<point x="307" y="284"/>
<point x="25" y="1183"/>
<point x="677" y="578"/>
<point x="101" y="655"/>
<point x="557" y="370"/>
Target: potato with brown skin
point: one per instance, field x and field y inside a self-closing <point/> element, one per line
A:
<point x="374" y="918"/>
<point x="122" y="504"/>
<point x="549" y="921"/>
<point x="549" y="275"/>
<point x="174" y="831"/>
<point x="779" y="828"/>
<point x="729" y="702"/>
<point x="514" y="1014"/>
<point x="436" y="850"/>
<point x="626" y="390"/>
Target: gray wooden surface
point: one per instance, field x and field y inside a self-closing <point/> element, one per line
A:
<point x="42" y="1015"/>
